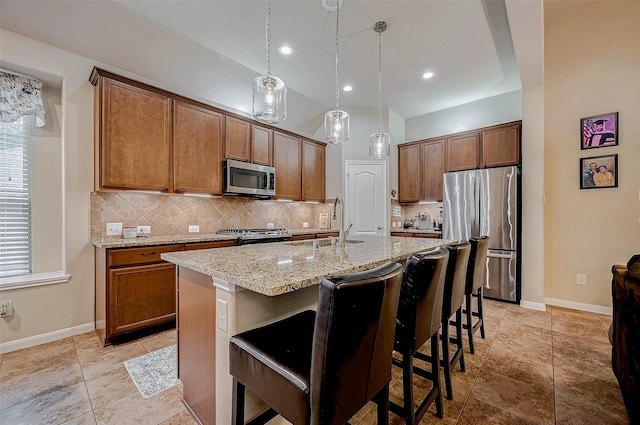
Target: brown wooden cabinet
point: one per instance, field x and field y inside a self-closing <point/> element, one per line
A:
<point x="409" y="173"/>
<point x="313" y="171"/>
<point x="133" y="137"/>
<point x="501" y="145"/>
<point x="136" y="289"/>
<point x="261" y="145"/>
<point x="237" y="140"/>
<point x="432" y="169"/>
<point x="197" y="149"/>
<point x="463" y="152"/>
<point x="287" y="161"/>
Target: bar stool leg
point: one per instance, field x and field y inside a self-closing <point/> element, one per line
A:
<point x="407" y="390"/>
<point x="237" y="412"/>
<point x="435" y="371"/>
<point x="480" y="315"/>
<point x="445" y="359"/>
<point x="382" y="402"/>
<point x="459" y="337"/>
<point x="469" y="314"/>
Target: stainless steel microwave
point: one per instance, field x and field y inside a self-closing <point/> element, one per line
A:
<point x="244" y="178"/>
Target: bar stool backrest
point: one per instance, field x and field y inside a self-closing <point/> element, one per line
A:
<point x="477" y="269"/>
<point x="420" y="306"/>
<point x="353" y="341"/>
<point x="456" y="278"/>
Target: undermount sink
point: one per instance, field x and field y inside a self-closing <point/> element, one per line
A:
<point x="320" y="242"/>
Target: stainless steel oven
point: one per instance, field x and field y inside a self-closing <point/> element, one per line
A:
<point x="244" y="178"/>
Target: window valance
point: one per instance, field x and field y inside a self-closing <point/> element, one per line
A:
<point x="20" y="96"/>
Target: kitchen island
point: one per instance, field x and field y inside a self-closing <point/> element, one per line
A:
<point x="222" y="292"/>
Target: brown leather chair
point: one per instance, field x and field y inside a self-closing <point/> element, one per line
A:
<point x="322" y="367"/>
<point x="476" y="276"/>
<point x="455" y="282"/>
<point x="418" y="321"/>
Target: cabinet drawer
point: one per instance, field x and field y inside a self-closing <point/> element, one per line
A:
<point x="302" y="237"/>
<point x="150" y="254"/>
<point x="207" y="245"/>
<point x="428" y="235"/>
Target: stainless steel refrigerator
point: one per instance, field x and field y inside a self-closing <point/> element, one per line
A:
<point x="487" y="203"/>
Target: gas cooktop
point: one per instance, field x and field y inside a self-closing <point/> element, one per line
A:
<point x="257" y="235"/>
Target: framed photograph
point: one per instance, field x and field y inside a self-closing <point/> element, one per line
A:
<point x="599" y="131"/>
<point x="598" y="172"/>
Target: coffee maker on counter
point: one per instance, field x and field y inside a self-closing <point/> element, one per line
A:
<point x="424" y="221"/>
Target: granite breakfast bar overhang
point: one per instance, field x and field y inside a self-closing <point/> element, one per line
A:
<point x="224" y="291"/>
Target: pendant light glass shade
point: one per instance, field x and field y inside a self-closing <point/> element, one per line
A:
<point x="269" y="92"/>
<point x="336" y="127"/>
<point x="336" y="122"/>
<point x="379" y="143"/>
<point x="379" y="146"/>
<point x="269" y="99"/>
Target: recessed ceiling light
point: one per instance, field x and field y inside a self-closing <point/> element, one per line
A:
<point x="428" y="75"/>
<point x="331" y="5"/>
<point x="347" y="88"/>
<point x="285" y="50"/>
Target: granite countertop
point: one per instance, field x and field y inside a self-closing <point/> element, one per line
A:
<point x="282" y="267"/>
<point x="120" y="242"/>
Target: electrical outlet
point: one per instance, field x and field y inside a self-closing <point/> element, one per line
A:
<point x="114" y="229"/>
<point x="270" y="226"/>
<point x="305" y="224"/>
<point x="6" y="308"/>
<point x="222" y="314"/>
<point x="143" y="230"/>
<point x="581" y="279"/>
<point x="194" y="229"/>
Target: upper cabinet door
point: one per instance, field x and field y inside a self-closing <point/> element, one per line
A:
<point x="432" y="155"/>
<point x="134" y="137"/>
<point x="197" y="149"/>
<point x="409" y="173"/>
<point x="313" y="171"/>
<point x="463" y="152"/>
<point x="501" y="145"/>
<point x="287" y="162"/>
<point x="237" y="139"/>
<point x="261" y="145"/>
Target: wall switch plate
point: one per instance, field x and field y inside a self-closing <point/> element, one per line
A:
<point x="194" y="229"/>
<point x="270" y="226"/>
<point x="305" y="224"/>
<point x="6" y="308"/>
<point x="143" y="230"/>
<point x="222" y="315"/>
<point x="114" y="229"/>
<point x="581" y="279"/>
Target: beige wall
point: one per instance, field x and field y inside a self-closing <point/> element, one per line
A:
<point x="592" y="66"/>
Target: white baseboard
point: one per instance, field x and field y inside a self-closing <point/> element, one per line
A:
<point x="533" y="306"/>
<point x="31" y="341"/>
<point x="600" y="309"/>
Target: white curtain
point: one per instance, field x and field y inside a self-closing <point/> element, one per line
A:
<point x="20" y="96"/>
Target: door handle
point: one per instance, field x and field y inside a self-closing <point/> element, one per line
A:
<point x="379" y="227"/>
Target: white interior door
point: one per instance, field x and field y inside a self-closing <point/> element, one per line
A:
<point x="365" y="193"/>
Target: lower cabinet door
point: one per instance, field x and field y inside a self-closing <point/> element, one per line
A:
<point x="141" y="296"/>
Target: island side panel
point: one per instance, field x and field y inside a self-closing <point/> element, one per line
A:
<point x="248" y="310"/>
<point x="197" y="343"/>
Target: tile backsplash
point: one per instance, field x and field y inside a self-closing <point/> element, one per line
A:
<point x="410" y="212"/>
<point x="172" y="215"/>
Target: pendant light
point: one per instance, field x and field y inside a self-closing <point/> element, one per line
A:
<point x="336" y="122"/>
<point x="379" y="143"/>
<point x="269" y="92"/>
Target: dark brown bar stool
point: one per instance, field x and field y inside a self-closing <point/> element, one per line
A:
<point x="455" y="281"/>
<point x="418" y="320"/>
<point x="322" y="367"/>
<point x="476" y="275"/>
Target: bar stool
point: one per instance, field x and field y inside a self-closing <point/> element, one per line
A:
<point x="322" y="367"/>
<point x="476" y="276"/>
<point x="455" y="281"/>
<point x="418" y="320"/>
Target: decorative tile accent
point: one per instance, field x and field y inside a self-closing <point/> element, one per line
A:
<point x="172" y="214"/>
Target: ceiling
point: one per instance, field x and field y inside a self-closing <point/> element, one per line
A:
<point x="466" y="43"/>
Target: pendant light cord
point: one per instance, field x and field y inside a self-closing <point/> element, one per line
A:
<point x="337" y="35"/>
<point x="379" y="82"/>
<point x="268" y="37"/>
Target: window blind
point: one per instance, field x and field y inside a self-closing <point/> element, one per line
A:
<point x="15" y="198"/>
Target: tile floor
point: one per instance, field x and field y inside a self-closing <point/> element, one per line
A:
<point x="533" y="367"/>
